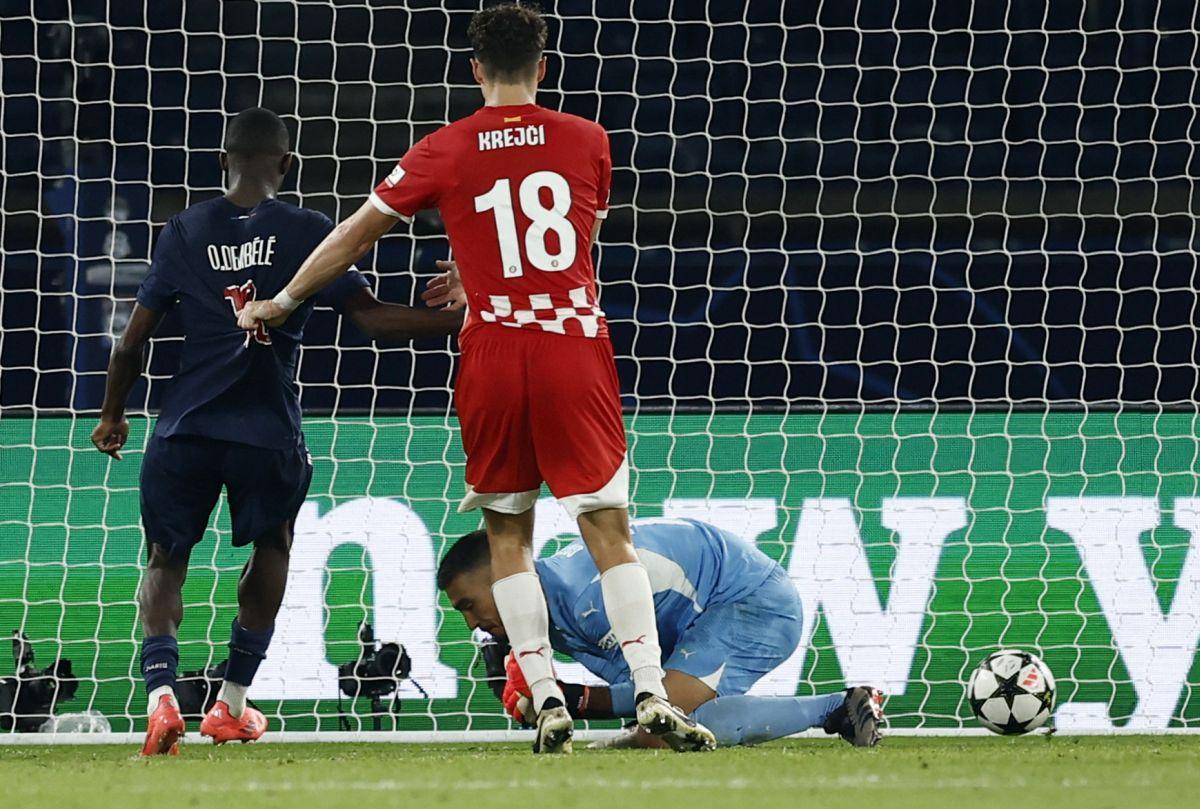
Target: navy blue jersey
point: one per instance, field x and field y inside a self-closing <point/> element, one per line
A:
<point x="210" y="260"/>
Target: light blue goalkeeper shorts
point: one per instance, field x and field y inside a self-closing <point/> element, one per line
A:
<point x="730" y="647"/>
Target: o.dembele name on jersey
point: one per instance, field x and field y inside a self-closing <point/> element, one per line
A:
<point x="234" y="257"/>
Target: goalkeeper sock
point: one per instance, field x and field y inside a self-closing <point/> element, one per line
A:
<point x="629" y="602"/>
<point x="752" y="720"/>
<point x="522" y="608"/>
<point x="160" y="661"/>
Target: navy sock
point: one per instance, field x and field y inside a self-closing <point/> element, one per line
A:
<point x="247" y="649"/>
<point x="160" y="661"/>
<point x="752" y="720"/>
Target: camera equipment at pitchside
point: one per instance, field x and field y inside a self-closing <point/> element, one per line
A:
<point x="28" y="698"/>
<point x="196" y="691"/>
<point x="375" y="674"/>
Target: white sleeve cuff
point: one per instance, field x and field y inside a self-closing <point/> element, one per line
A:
<point x="384" y="208"/>
<point x="602" y="213"/>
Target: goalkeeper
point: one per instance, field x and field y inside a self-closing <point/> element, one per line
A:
<point x="726" y="614"/>
<point x="231" y="416"/>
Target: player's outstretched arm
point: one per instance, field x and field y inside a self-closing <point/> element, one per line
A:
<point x="393" y="321"/>
<point x="124" y="367"/>
<point x="348" y="242"/>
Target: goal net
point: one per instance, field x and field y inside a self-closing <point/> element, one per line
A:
<point x="904" y="293"/>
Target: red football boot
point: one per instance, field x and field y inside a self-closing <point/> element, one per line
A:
<point x="164" y="729"/>
<point x="221" y="726"/>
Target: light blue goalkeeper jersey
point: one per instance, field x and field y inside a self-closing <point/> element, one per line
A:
<point x="692" y="566"/>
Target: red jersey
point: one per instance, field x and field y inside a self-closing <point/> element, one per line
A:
<point x="519" y="189"/>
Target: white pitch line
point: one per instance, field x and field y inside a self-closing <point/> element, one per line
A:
<point x="439" y="737"/>
<point x="864" y="781"/>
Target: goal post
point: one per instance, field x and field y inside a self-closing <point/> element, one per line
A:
<point x="904" y="296"/>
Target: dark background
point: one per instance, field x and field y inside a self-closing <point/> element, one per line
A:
<point x="813" y="202"/>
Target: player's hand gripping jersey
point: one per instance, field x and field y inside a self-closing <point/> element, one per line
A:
<point x="520" y="189"/>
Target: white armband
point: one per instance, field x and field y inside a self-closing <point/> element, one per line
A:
<point x="285" y="301"/>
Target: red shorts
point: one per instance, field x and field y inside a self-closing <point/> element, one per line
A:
<point x="537" y="407"/>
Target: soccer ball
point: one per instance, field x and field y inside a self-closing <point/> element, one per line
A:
<point x="1012" y="692"/>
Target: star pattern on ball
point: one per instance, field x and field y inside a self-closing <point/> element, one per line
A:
<point x="1008" y="688"/>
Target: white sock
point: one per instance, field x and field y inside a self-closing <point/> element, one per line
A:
<point x="156" y="696"/>
<point x="233" y="695"/>
<point x="522" y="608"/>
<point x="629" y="602"/>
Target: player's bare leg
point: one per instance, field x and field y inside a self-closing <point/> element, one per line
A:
<point x="629" y="602"/>
<point x="522" y="608"/>
<point x="160" y="596"/>
<point x="160" y="605"/>
<point x="264" y="578"/>
<point x="260" y="594"/>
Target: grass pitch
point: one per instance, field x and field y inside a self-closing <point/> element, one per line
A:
<point x="928" y="773"/>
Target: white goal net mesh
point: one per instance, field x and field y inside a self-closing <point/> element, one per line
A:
<point x="904" y="292"/>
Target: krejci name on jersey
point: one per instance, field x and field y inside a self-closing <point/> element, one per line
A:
<point x="512" y="136"/>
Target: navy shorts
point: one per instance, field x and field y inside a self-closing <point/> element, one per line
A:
<point x="182" y="478"/>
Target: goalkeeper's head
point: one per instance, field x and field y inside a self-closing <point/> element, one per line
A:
<point x="465" y="575"/>
<point x="257" y="146"/>
<point x="508" y="41"/>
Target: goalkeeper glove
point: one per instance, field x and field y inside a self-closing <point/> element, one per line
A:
<point x="517" y="696"/>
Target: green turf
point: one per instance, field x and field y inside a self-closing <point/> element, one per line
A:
<point x="929" y="773"/>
